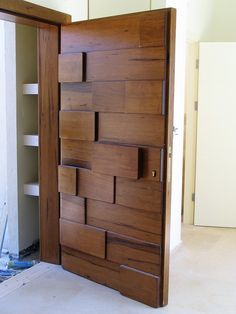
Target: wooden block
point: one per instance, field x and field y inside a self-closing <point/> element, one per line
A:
<point x="76" y="96"/>
<point x="140" y="194"/>
<point x="73" y="208"/>
<point x="82" y="238"/>
<point x="134" y="253"/>
<point x="90" y="267"/>
<point x="144" y="97"/>
<point x="70" y="68"/>
<point x="95" y="186"/>
<point x="67" y="180"/>
<point x="127" y="64"/>
<point x="153" y="160"/>
<point x="137" y="129"/>
<point x="136" y="223"/>
<point x="140" y="286"/>
<point x="116" y="160"/>
<point x="76" y="125"/>
<point x="125" y="31"/>
<point x="108" y="96"/>
<point x="76" y="153"/>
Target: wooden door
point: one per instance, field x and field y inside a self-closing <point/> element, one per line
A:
<point x="116" y="78"/>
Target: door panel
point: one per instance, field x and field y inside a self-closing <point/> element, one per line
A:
<point x="115" y="129"/>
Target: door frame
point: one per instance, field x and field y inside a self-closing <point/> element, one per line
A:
<point x="48" y="23"/>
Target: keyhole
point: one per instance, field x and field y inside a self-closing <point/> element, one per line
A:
<point x="154" y="173"/>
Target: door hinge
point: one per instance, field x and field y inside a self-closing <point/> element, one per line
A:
<point x="197" y="63"/>
<point x="196" y="105"/>
<point x="193" y="197"/>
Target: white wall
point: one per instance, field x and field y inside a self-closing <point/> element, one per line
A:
<point x="78" y="9"/>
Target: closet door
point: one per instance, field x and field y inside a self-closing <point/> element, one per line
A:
<point x="116" y="78"/>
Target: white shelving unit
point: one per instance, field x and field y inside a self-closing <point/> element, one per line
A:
<point x="31" y="189"/>
<point x="30" y="89"/>
<point x="31" y="140"/>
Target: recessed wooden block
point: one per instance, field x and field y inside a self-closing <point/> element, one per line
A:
<point x="134" y="253"/>
<point x="136" y="223"/>
<point x="67" y="180"/>
<point x="108" y="96"/>
<point x="90" y="267"/>
<point x="124" y="31"/>
<point x="116" y="160"/>
<point x="139" y="194"/>
<point x="76" y="96"/>
<point x="73" y="208"/>
<point x="140" y="286"/>
<point x="71" y="68"/>
<point x="83" y="238"/>
<point x="76" y="153"/>
<point x="144" y="97"/>
<point x="153" y="163"/>
<point x="137" y="129"/>
<point x="77" y="125"/>
<point x="95" y="186"/>
<point x="127" y="64"/>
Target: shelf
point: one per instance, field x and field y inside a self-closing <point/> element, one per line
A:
<point x="31" y="140"/>
<point x="30" y="89"/>
<point x="31" y="189"/>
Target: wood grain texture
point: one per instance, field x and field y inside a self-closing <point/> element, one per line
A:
<point x="139" y="194"/>
<point x="132" y="129"/>
<point x="77" y="125"/>
<point x="153" y="160"/>
<point x="144" y="97"/>
<point x="33" y="11"/>
<point x="67" y="180"/>
<point x="70" y="68"/>
<point x="117" y="160"/>
<point x="76" y="96"/>
<point x="73" y="208"/>
<point x="76" y="153"/>
<point x="83" y="238"/>
<point x="95" y="186"/>
<point x="118" y="32"/>
<point x="108" y="96"/>
<point x="127" y="64"/>
<point x="136" y="223"/>
<point x="134" y="253"/>
<point x="48" y="45"/>
<point x="90" y="267"/>
<point x="140" y="286"/>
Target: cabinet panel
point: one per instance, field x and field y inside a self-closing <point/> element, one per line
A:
<point x="82" y="238"/>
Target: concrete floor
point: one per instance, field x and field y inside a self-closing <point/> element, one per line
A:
<point x="202" y="280"/>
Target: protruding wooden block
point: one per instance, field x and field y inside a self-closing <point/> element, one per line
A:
<point x="70" y="67"/>
<point x="76" y="153"/>
<point x="83" y="238"/>
<point x="140" y="194"/>
<point x="95" y="186"/>
<point x="116" y="160"/>
<point x="67" y="180"/>
<point x="73" y="208"/>
<point x="77" y="125"/>
<point x="136" y="223"/>
<point x="134" y="253"/>
<point x="140" y="286"/>
<point x="140" y="129"/>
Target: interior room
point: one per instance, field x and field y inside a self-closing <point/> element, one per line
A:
<point x="77" y="128"/>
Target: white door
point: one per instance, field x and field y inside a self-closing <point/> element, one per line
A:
<point x="216" y="136"/>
